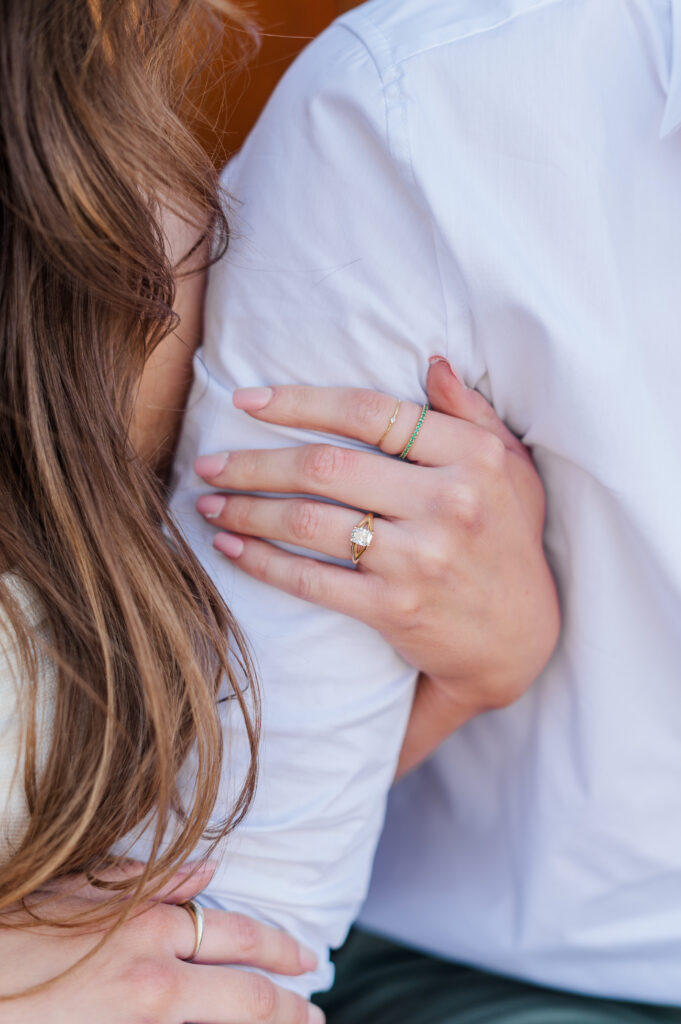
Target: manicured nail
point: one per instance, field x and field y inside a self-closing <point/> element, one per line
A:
<point x="209" y="466"/>
<point x="315" y="1015"/>
<point x="435" y="360"/>
<point x="210" y="505"/>
<point x="228" y="544"/>
<point x="308" y="961"/>
<point x="252" y="399"/>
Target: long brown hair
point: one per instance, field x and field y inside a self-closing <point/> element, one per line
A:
<point x="91" y="135"/>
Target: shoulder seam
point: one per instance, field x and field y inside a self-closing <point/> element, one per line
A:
<point x="471" y="28"/>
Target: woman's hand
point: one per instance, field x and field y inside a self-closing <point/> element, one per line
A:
<point x="455" y="578"/>
<point x="140" y="975"/>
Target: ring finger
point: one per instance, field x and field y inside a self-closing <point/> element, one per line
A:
<point x="302" y="522"/>
<point x="230" y="938"/>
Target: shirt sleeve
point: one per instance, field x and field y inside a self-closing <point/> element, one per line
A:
<point x="332" y="273"/>
<point x="330" y="279"/>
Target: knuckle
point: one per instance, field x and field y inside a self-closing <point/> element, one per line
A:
<point x="367" y="408"/>
<point x="324" y="463"/>
<point x="404" y="606"/>
<point x="430" y="557"/>
<point x="492" y="454"/>
<point x="304" y="520"/>
<point x="247" y="937"/>
<point x="469" y="510"/>
<point x="263" y="565"/>
<point x="155" y="988"/>
<point x="239" y="513"/>
<point x="442" y="498"/>
<point x="304" y="581"/>
<point x="264" y="999"/>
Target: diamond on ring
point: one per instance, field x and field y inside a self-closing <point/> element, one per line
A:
<point x="391" y="423"/>
<point x="361" y="537"/>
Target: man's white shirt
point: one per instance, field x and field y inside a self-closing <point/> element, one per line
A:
<point x="498" y="180"/>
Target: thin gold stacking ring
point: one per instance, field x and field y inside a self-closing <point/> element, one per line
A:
<point x="195" y="911"/>
<point x="410" y="443"/>
<point x="391" y="424"/>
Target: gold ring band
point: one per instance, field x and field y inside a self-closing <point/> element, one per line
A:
<point x="417" y="429"/>
<point x="361" y="537"/>
<point x="391" y="424"/>
<point x="195" y="911"/>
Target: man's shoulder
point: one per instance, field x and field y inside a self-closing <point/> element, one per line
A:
<point x="358" y="49"/>
<point x="397" y="30"/>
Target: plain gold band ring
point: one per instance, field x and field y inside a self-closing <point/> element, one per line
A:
<point x="195" y="911"/>
<point x="361" y="537"/>
<point x="391" y="424"/>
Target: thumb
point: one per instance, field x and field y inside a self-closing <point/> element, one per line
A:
<point x="448" y="394"/>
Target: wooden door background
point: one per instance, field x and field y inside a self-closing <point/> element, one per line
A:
<point x="229" y="103"/>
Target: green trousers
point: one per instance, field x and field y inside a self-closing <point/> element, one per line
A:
<point x="378" y="982"/>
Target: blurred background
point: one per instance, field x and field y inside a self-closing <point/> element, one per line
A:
<point x="229" y="101"/>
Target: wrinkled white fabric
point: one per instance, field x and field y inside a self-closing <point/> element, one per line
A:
<point x="499" y="180"/>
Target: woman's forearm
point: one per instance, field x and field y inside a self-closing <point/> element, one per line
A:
<point x="436" y="714"/>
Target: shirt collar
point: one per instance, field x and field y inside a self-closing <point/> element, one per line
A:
<point x="671" y="119"/>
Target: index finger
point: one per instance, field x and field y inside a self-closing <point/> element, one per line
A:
<point x="370" y="416"/>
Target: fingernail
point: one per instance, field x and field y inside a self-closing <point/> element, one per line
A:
<point x="210" y="505"/>
<point x="252" y="399"/>
<point x="209" y="466"/>
<point x="308" y="961"/>
<point x="435" y="360"/>
<point x="229" y="545"/>
<point x="315" y="1015"/>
